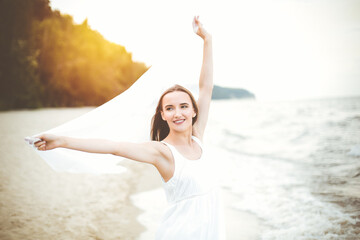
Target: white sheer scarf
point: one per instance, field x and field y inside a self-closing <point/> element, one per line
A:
<point x="126" y="117"/>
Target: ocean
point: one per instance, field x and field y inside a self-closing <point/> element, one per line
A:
<point x="293" y="164"/>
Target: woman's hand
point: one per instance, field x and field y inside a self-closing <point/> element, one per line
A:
<point x="48" y="142"/>
<point x="199" y="29"/>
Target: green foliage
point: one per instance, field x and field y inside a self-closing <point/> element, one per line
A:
<point x="48" y="61"/>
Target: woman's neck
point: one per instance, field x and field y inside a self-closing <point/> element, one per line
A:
<point x="179" y="138"/>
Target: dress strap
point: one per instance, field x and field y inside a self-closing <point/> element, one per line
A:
<point x="198" y="141"/>
<point x="167" y="144"/>
<point x="173" y="150"/>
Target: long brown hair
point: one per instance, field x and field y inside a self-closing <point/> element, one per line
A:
<point x="159" y="128"/>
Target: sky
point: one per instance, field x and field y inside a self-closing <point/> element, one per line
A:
<point x="277" y="49"/>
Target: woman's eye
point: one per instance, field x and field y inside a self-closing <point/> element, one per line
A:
<point x="184" y="106"/>
<point x="168" y="109"/>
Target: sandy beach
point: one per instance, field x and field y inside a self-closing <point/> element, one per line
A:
<point x="39" y="203"/>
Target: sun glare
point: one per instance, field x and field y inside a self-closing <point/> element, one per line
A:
<point x="277" y="49"/>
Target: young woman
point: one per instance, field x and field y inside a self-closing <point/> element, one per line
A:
<point x="176" y="151"/>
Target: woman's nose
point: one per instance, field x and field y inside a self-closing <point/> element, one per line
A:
<point x="177" y="112"/>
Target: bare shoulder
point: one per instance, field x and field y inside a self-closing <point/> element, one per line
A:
<point x="163" y="151"/>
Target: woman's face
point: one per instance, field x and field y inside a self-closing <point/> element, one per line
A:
<point x="177" y="110"/>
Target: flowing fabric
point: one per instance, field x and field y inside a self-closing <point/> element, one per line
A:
<point x="126" y="117"/>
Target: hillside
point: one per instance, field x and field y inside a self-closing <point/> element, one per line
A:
<point x="230" y="93"/>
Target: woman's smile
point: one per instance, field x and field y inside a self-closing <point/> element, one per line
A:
<point x="180" y="121"/>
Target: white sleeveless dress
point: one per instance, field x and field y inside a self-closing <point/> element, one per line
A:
<point x="194" y="211"/>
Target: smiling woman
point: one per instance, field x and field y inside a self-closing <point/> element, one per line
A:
<point x="176" y="152"/>
<point x="174" y="99"/>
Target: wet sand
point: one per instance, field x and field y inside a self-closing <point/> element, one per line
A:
<point x="38" y="203"/>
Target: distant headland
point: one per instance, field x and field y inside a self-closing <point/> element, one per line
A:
<point x="231" y="93"/>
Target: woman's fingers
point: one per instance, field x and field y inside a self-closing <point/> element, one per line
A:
<point x="195" y="25"/>
<point x="41" y="147"/>
<point x="197" y="21"/>
<point x="48" y="142"/>
<point x="37" y="144"/>
<point x="198" y="28"/>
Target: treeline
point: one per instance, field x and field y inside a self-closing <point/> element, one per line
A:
<point x="48" y="61"/>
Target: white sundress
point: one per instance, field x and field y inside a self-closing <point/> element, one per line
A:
<point x="195" y="211"/>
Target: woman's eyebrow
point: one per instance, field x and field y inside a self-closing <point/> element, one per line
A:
<point x="170" y="105"/>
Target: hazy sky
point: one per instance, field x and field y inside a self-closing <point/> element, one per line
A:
<point x="278" y="49"/>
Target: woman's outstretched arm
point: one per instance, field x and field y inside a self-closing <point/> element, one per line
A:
<point x="148" y="152"/>
<point x="206" y="78"/>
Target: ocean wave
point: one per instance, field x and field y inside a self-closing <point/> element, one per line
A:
<point x="354" y="151"/>
<point x="277" y="192"/>
<point x="294" y="165"/>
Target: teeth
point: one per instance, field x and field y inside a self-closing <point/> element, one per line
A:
<point x="179" y="121"/>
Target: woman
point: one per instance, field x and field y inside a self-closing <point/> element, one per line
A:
<point x="177" y="131"/>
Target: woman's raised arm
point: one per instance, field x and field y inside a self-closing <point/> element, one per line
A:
<point x="206" y="78"/>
